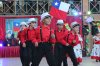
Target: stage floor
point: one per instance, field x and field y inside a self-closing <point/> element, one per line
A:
<point x="16" y="62"/>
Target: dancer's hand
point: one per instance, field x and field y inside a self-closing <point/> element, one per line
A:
<point x="67" y="44"/>
<point x="74" y="41"/>
<point x="36" y="44"/>
<point x="52" y="35"/>
<point x="24" y="45"/>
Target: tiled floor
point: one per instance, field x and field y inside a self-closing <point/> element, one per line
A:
<point x="16" y="62"/>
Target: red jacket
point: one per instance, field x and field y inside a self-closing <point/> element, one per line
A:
<point x="61" y="36"/>
<point x="31" y="35"/>
<point x="70" y="37"/>
<point x="21" y="36"/>
<point x="45" y="34"/>
<point x="27" y="35"/>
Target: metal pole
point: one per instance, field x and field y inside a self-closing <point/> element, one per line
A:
<point x="37" y="7"/>
<point x="15" y="6"/>
<point x="84" y="36"/>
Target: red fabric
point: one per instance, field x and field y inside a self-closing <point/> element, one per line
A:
<point x="72" y="37"/>
<point x="3" y="25"/>
<point x="79" y="60"/>
<point x="61" y="36"/>
<point x="97" y="42"/>
<point x="95" y="57"/>
<point x="69" y="20"/>
<point x="2" y="28"/>
<point x="1" y="34"/>
<point x="21" y="35"/>
<point x="31" y="35"/>
<point x="58" y="13"/>
<point x="45" y="34"/>
<point x="9" y="51"/>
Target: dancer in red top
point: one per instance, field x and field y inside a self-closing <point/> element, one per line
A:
<point x="60" y="45"/>
<point x="72" y="40"/>
<point x="79" y="44"/>
<point x="45" y="37"/>
<point x="21" y="38"/>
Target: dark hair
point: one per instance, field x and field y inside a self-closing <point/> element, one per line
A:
<point x="47" y="16"/>
<point x="76" y="25"/>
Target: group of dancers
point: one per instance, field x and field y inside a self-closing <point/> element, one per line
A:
<point x="56" y="45"/>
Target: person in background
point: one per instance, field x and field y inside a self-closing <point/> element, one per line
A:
<point x="96" y="48"/>
<point x="45" y="37"/>
<point x="60" y="45"/>
<point x="21" y="38"/>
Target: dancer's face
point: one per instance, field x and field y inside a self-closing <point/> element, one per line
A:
<point x="76" y="29"/>
<point x="47" y="21"/>
<point x="23" y="27"/>
<point x="60" y="26"/>
<point x="32" y="24"/>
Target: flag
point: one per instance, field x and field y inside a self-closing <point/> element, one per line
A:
<point x="59" y="9"/>
<point x="16" y="26"/>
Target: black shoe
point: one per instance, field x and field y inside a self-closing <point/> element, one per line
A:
<point x="96" y="60"/>
<point x="99" y="60"/>
<point x="78" y="63"/>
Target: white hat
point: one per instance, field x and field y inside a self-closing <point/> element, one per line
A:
<point x="60" y="22"/>
<point x="32" y="20"/>
<point x="73" y="24"/>
<point x="44" y="15"/>
<point x="23" y="23"/>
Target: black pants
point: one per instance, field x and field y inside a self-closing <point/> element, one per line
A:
<point x="45" y="49"/>
<point x="60" y="54"/>
<point x="27" y="53"/>
<point x="70" y="51"/>
<point x="65" y="61"/>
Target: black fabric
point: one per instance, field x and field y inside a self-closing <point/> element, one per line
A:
<point x="41" y="33"/>
<point x="70" y="52"/>
<point x="27" y="53"/>
<point x="60" y="54"/>
<point x="45" y="49"/>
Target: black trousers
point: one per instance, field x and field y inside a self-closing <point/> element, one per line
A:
<point x="65" y="61"/>
<point x="60" y="54"/>
<point x="70" y="51"/>
<point x="27" y="53"/>
<point x="45" y="49"/>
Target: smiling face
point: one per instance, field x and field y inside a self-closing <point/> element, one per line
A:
<point x="47" y="20"/>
